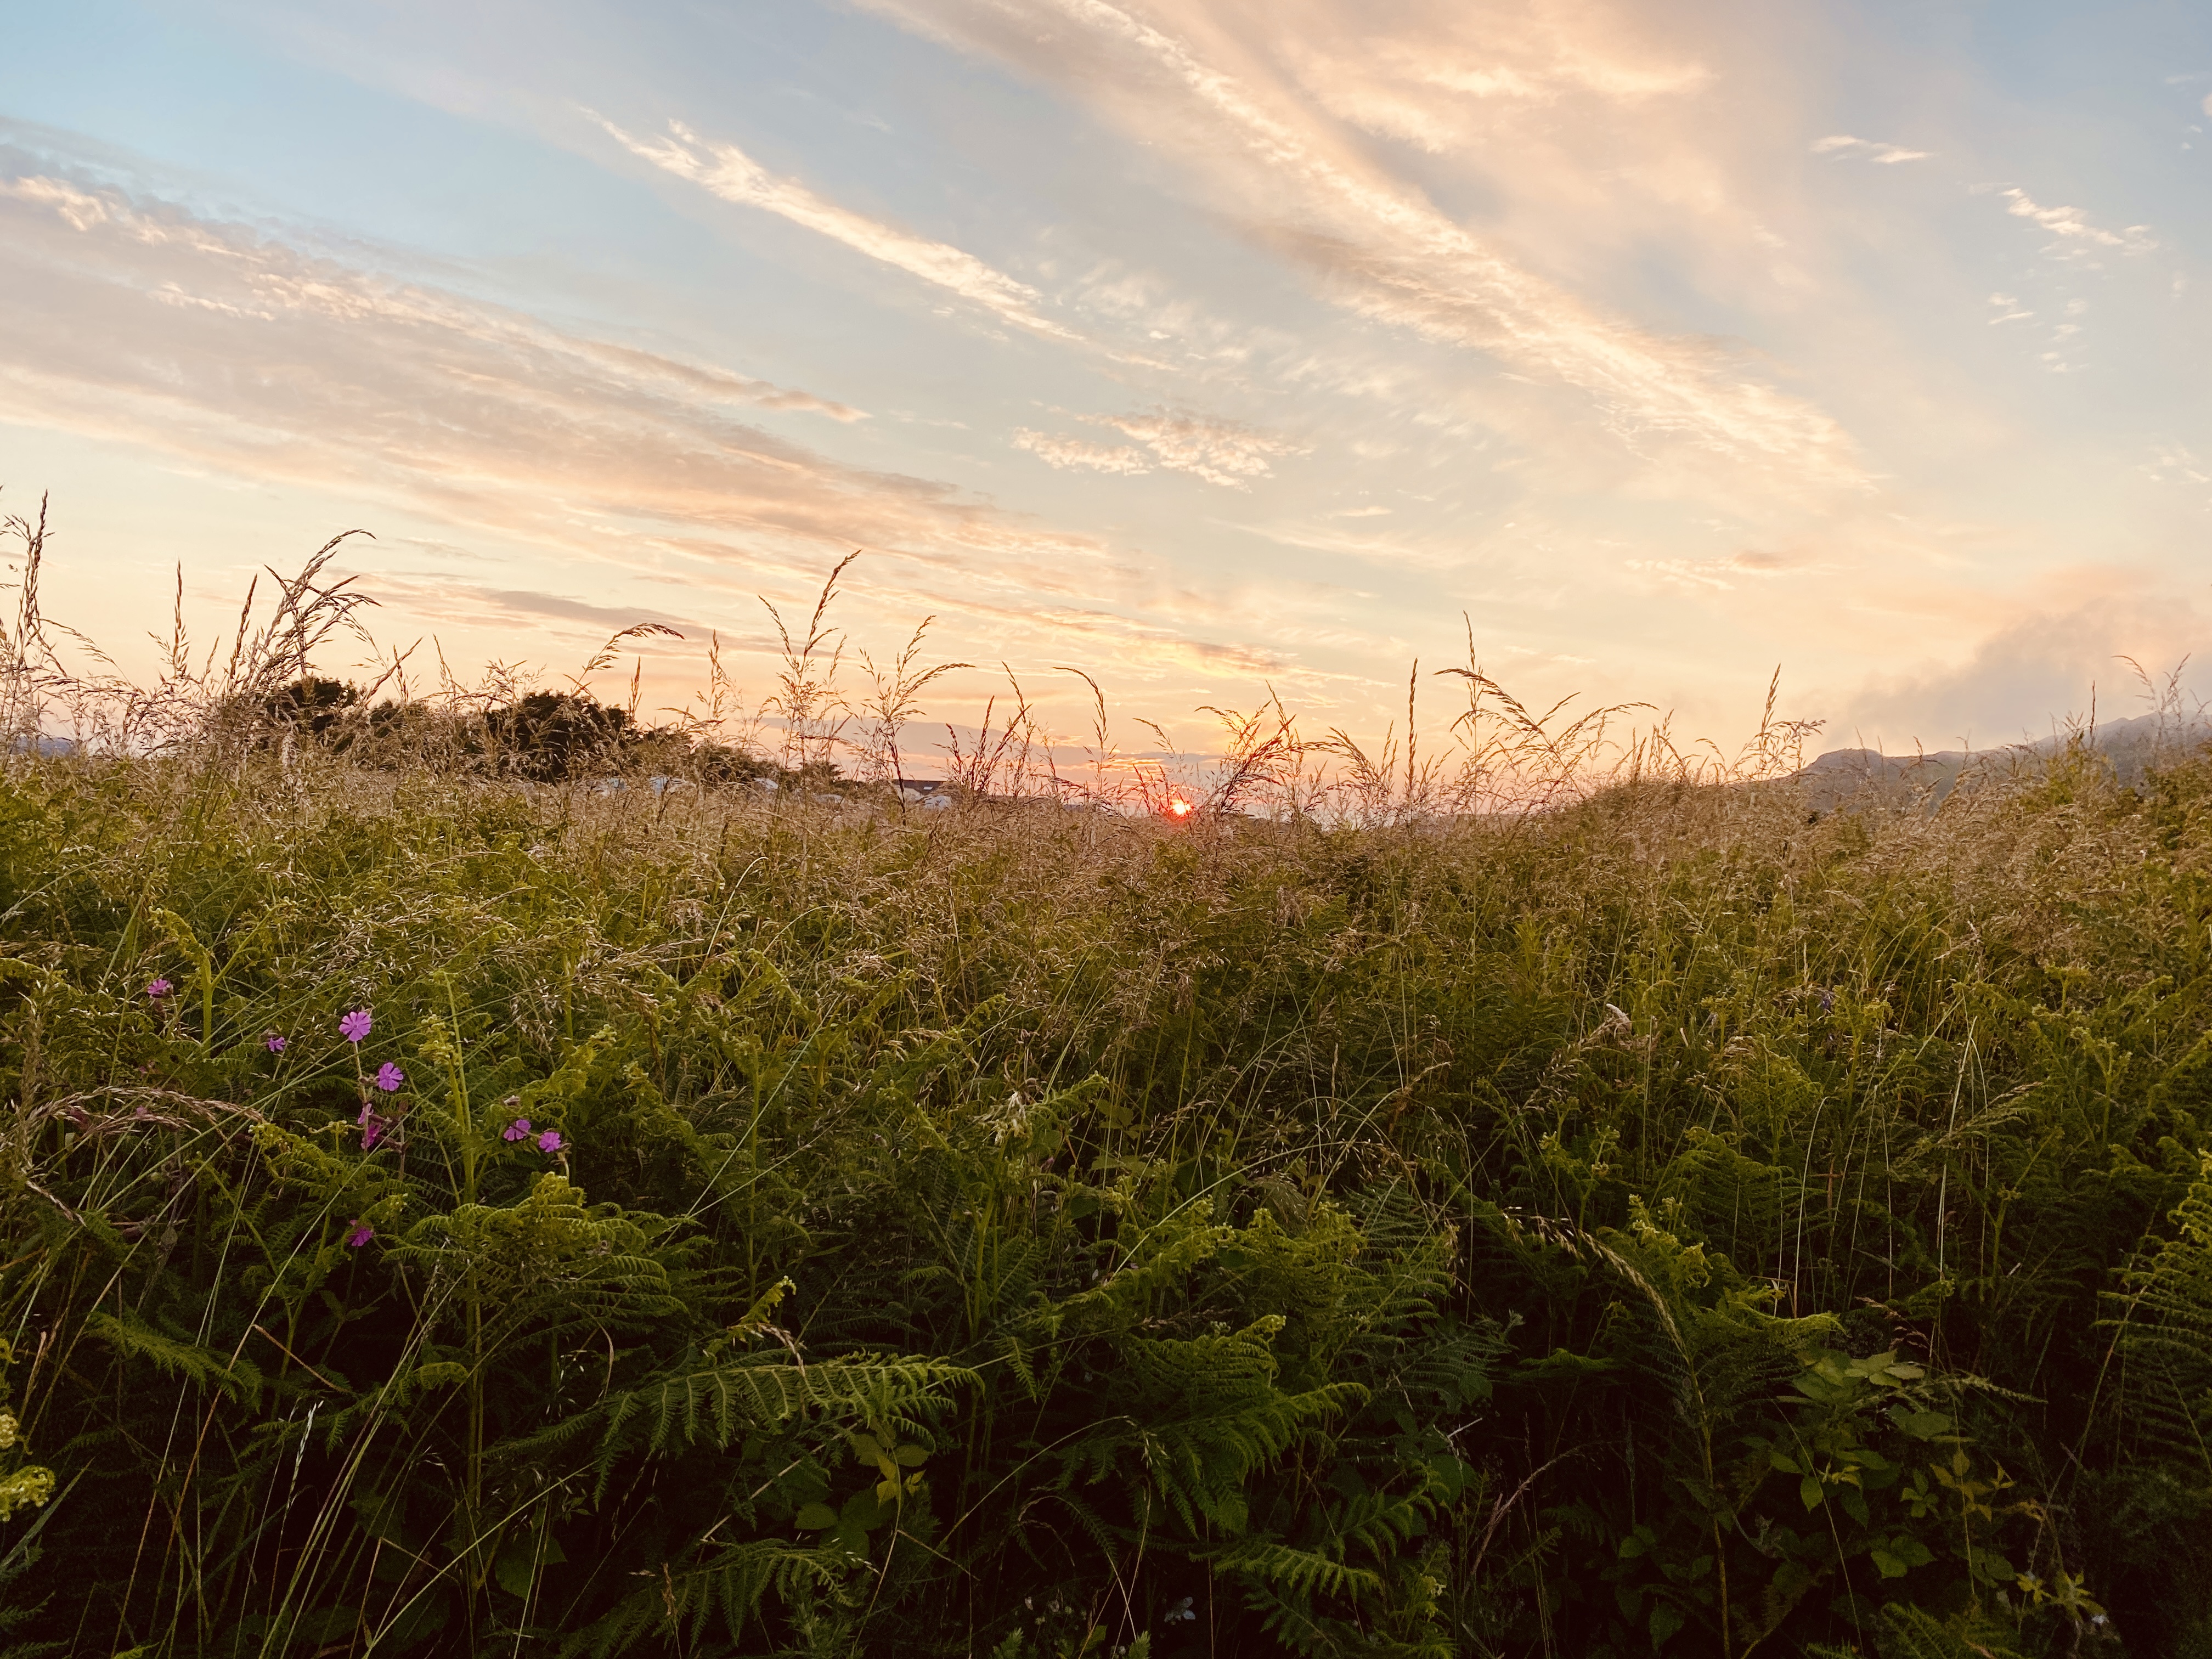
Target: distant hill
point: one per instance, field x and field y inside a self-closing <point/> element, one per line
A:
<point x="1845" y="777"/>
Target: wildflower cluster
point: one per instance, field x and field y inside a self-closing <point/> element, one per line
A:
<point x="548" y="1141"/>
<point x="355" y="1028"/>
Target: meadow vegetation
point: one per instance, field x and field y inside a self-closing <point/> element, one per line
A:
<point x="1545" y="1198"/>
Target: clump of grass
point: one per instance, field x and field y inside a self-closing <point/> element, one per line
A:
<point x="1542" y="1196"/>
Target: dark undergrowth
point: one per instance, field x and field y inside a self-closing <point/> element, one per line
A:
<point x="1658" y="1224"/>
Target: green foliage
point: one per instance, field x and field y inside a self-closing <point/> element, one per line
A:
<point x="23" y="1485"/>
<point x="1655" y="1225"/>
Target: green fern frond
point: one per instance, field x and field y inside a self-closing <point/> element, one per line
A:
<point x="1910" y="1632"/>
<point x="677" y="1605"/>
<point x="2166" y="1331"/>
<point x="717" y="1404"/>
<point x="177" y="1356"/>
<point x="1202" y="1414"/>
<point x="1300" y="1573"/>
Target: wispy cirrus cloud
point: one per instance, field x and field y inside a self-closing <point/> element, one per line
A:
<point x="264" y="284"/>
<point x="1437" y="92"/>
<point x="1390" y="552"/>
<point x="1377" y="244"/>
<point x="2075" y="234"/>
<point x="137" y="320"/>
<point x="1842" y="143"/>
<point x="133" y="320"/>
<point x="725" y="171"/>
<point x="437" y="597"/>
<point x="1720" y="576"/>
<point x="1078" y="453"/>
<point x="1222" y="452"/>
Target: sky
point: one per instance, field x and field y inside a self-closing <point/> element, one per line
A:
<point x="1221" y="349"/>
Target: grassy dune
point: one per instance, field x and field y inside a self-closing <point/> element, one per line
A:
<point x="451" y="1205"/>
<point x="1658" y="1223"/>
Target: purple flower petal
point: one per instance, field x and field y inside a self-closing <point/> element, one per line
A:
<point x="354" y="1026"/>
<point x="372" y="1133"/>
<point x="550" y="1142"/>
<point x="517" y="1130"/>
<point x="389" y="1078"/>
<point x="361" y="1233"/>
<point x="273" y="1044"/>
<point x="159" y="989"/>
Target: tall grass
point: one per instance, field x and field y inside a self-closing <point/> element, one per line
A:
<point x="1535" y="1195"/>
